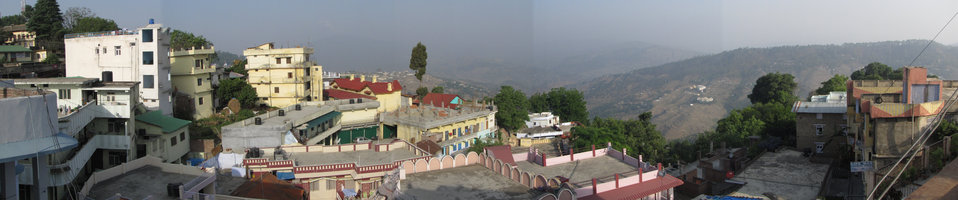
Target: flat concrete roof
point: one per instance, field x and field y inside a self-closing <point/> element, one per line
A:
<point x="139" y="184"/>
<point x="54" y="80"/>
<point x="785" y="173"/>
<point x="466" y="182"/>
<point x="581" y="172"/>
<point x="363" y="158"/>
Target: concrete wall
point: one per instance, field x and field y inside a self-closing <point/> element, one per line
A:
<point x="161" y="146"/>
<point x="893" y="136"/>
<point x="805" y="128"/>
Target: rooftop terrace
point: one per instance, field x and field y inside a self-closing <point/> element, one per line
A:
<point x="467" y="182"/>
<point x="362" y="157"/>
<point x="431" y="117"/>
<point x="785" y="173"/>
<point x="581" y="172"/>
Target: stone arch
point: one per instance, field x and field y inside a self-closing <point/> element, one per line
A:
<point x="482" y="159"/>
<point x="447" y="162"/>
<point x="515" y="175"/>
<point x="547" y="196"/>
<point x="434" y="164"/>
<point x="459" y="160"/>
<point x="566" y="194"/>
<point x="489" y="163"/>
<point x="539" y="181"/>
<point x="409" y="166"/>
<point x="554" y="182"/>
<point x="497" y="166"/>
<point x="525" y="179"/>
<point x="472" y="158"/>
<point x="506" y="170"/>
<point x="422" y="165"/>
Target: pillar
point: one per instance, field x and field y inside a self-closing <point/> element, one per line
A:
<point x="8" y="173"/>
<point x="593" y="150"/>
<point x="640" y="175"/>
<point x="616" y="180"/>
<point x="594" y="188"/>
<point x="544" y="160"/>
<point x="623" y="153"/>
<point x="571" y="155"/>
<point x="41" y="177"/>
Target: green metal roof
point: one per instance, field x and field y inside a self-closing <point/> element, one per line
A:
<point x="324" y="118"/>
<point x="167" y="123"/>
<point x="13" y="48"/>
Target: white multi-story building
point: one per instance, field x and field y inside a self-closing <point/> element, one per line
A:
<point x="543" y="119"/>
<point x="139" y="55"/>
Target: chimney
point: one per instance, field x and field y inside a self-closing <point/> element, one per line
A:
<point x="352" y="76"/>
<point x="362" y="78"/>
<point x="374" y="78"/>
<point x="389" y="86"/>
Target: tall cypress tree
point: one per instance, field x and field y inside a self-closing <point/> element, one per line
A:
<point x="47" y="22"/>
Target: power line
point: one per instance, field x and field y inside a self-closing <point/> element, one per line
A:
<point x="933" y="39"/>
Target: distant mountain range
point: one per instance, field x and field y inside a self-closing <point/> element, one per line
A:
<point x="681" y="106"/>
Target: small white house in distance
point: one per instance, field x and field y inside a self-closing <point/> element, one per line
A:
<point x="543" y="119"/>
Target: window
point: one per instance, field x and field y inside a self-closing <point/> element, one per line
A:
<point x="117" y="158"/>
<point x="199" y="82"/>
<point x="173" y="141"/>
<point x="819" y="129"/>
<point x="275" y="89"/>
<point x="265" y="98"/>
<point x="147" y="57"/>
<point x="182" y="136"/>
<point x="818" y="115"/>
<point x="289" y="75"/>
<point x="279" y="60"/>
<point x="198" y="63"/>
<point x="819" y="146"/>
<point x="104" y="50"/>
<point x="289" y="60"/>
<point x="64" y="94"/>
<point x="147" y="81"/>
<point x="116" y="50"/>
<point x="200" y="100"/>
<point x="147" y="35"/>
<point x="96" y="50"/>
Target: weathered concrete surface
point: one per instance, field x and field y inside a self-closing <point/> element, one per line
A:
<point x="581" y="172"/>
<point x="363" y="157"/>
<point x="784" y="173"/>
<point x="467" y="182"/>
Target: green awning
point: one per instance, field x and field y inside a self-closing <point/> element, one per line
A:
<point x="320" y="120"/>
<point x="167" y="123"/>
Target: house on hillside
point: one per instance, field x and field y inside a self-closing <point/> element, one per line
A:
<point x="820" y="124"/>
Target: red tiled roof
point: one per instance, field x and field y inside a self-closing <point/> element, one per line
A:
<point x="267" y="186"/>
<point x="440" y="100"/>
<point x="637" y="191"/>
<point x="377" y="87"/>
<point x="339" y="94"/>
<point x="503" y="153"/>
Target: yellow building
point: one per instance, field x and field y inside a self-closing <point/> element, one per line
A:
<point x="283" y="77"/>
<point x="451" y="129"/>
<point x="25" y="38"/>
<point x="389" y="94"/>
<point x="191" y="75"/>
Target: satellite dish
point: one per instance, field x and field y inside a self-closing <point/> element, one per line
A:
<point x="878" y="100"/>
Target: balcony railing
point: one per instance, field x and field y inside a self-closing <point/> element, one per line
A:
<point x="65" y="172"/>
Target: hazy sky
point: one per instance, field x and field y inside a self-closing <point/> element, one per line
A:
<point x="517" y="30"/>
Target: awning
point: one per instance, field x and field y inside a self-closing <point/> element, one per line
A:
<point x="38" y="146"/>
<point x="285" y="175"/>
<point x="324" y="118"/>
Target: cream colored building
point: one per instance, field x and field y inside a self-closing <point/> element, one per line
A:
<point x="389" y="94"/>
<point x="191" y="73"/>
<point x="452" y="130"/>
<point x="25" y="38"/>
<point x="283" y="77"/>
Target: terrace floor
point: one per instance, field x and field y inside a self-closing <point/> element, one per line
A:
<point x="785" y="173"/>
<point x="467" y="182"/>
<point x="363" y="158"/>
<point x="581" y="172"/>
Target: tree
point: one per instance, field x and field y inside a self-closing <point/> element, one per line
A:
<point x="27" y="12"/>
<point x="422" y="92"/>
<point x="185" y="40"/>
<point x="836" y="83"/>
<point x="417" y="62"/>
<point x="74" y="14"/>
<point x="513" y="108"/>
<point x="12" y="20"/>
<point x="568" y="104"/>
<point x="93" y="24"/>
<point x="774" y="88"/>
<point x="736" y="128"/>
<point x="47" y="22"/>
<point x="877" y="71"/>
<point x="236" y="88"/>
<point x="239" y="66"/>
<point x="437" y="89"/>
<point x="638" y="136"/>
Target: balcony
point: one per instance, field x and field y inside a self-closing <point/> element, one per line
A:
<point x="64" y="173"/>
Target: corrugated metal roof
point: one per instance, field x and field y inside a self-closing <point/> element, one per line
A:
<point x="167" y="123"/>
<point x="818" y="107"/>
